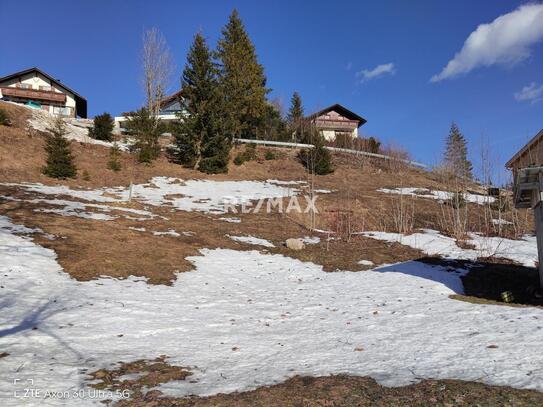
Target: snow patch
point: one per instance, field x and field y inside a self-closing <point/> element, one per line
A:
<point x="439" y="195"/>
<point x="432" y="243"/>
<point x="284" y="318"/>
<point x="252" y="240"/>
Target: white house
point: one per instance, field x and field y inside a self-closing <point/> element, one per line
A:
<point x="170" y="108"/>
<point x="35" y="88"/>
<point x="335" y="121"/>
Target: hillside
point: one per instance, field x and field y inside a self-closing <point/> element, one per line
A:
<point x="180" y="273"/>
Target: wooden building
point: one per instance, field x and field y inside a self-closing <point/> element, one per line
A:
<point x="336" y="121"/>
<point x="37" y="89"/>
<point x="527" y="168"/>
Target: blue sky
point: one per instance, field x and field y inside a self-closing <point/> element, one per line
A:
<point x="375" y="57"/>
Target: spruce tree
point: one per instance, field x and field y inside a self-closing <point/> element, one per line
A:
<point x="114" y="163"/>
<point x="317" y="160"/>
<point x="456" y="154"/>
<point x="59" y="162"/>
<point x="146" y="130"/>
<point x="295" y="116"/>
<point x="103" y="127"/>
<point x="242" y="80"/>
<point x="199" y="137"/>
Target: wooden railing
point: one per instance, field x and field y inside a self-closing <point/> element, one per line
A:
<point x="34" y="94"/>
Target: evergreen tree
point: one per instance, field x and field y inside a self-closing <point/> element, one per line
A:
<point x="103" y="127"/>
<point x="317" y="160"/>
<point x="274" y="125"/>
<point x="146" y="129"/>
<point x="59" y="162"/>
<point x="242" y="80"/>
<point x="199" y="137"/>
<point x="295" y="116"/>
<point x="114" y="163"/>
<point x="456" y="154"/>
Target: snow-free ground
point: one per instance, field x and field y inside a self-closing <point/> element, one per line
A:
<point x="243" y="319"/>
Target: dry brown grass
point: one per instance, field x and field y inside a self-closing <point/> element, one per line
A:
<point x="346" y="391"/>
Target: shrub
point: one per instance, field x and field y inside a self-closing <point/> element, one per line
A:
<point x="86" y="176"/>
<point x="114" y="163"/>
<point x="214" y="165"/>
<point x="250" y="152"/>
<point x="59" y="162"/>
<point x="4" y="119"/>
<point x="269" y="155"/>
<point x="103" y="127"/>
<point x="239" y="159"/>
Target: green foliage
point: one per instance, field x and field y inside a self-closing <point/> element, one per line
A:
<point x="200" y="136"/>
<point x="114" y="163"/>
<point x="269" y="155"/>
<point x="59" y="162"/>
<point x="242" y="81"/>
<point x="103" y="127"/>
<point x="295" y="117"/>
<point x="456" y="154"/>
<point x="146" y="129"/>
<point x="274" y="127"/>
<point x="317" y="160"/>
<point x="4" y="119"/>
<point x="239" y="159"/>
<point x="217" y="164"/>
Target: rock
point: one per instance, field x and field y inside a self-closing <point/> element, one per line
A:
<point x="295" y="244"/>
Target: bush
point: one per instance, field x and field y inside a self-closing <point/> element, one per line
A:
<point x="238" y="160"/>
<point x="249" y="154"/>
<point x="269" y="155"/>
<point x="214" y="165"/>
<point x="59" y="162"/>
<point x="86" y="176"/>
<point x="114" y="154"/>
<point x="103" y="126"/>
<point x="4" y="119"/>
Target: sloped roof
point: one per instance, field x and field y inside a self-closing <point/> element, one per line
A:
<point x="349" y="114"/>
<point x="175" y="96"/>
<point x="524" y="149"/>
<point x="81" y="102"/>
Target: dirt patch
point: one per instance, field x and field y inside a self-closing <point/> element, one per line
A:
<point x="335" y="391"/>
<point x="135" y="376"/>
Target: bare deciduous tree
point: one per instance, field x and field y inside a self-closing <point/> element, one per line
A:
<point x="158" y="68"/>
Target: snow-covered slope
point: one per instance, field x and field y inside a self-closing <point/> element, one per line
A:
<point x="244" y="319"/>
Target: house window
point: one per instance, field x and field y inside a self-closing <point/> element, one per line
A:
<point x="46" y="88"/>
<point x="24" y="85"/>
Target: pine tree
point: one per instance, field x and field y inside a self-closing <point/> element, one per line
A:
<point x="114" y="163"/>
<point x="146" y="129"/>
<point x="59" y="162"/>
<point x="456" y="154"/>
<point x="199" y="137"/>
<point x="242" y="80"/>
<point x="103" y="127"/>
<point x="295" y="116"/>
<point x="317" y="160"/>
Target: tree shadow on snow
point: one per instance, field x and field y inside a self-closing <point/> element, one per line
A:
<point x="485" y="280"/>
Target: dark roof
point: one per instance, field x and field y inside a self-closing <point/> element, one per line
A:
<point x="524" y="149"/>
<point x="168" y="99"/>
<point x="80" y="101"/>
<point x="342" y="111"/>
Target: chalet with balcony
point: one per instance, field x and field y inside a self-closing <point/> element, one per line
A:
<point x="336" y="121"/>
<point x="37" y="89"/>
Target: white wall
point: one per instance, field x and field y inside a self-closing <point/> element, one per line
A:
<point x="36" y="81"/>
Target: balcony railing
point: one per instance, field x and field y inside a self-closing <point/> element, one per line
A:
<point x="34" y="94"/>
